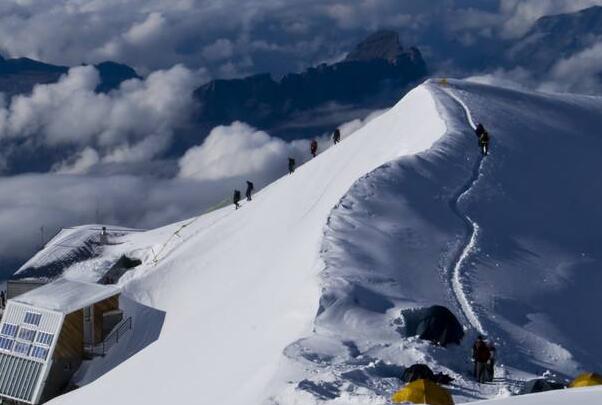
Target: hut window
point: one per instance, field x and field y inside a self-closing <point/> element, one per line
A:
<point x="9" y="330"/>
<point x="5" y="343"/>
<point x="39" y="352"/>
<point x="44" y="338"/>
<point x="22" y="348"/>
<point x="32" y="318"/>
<point x="27" y="334"/>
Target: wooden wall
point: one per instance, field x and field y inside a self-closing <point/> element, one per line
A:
<point x="110" y="304"/>
<point x="67" y="357"/>
<point x="71" y="339"/>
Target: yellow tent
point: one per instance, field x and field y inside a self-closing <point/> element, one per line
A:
<point x="423" y="392"/>
<point x="586" y="380"/>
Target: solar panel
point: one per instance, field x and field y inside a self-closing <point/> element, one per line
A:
<point x="9" y="330"/>
<point x="44" y="338"/>
<point x="6" y="343"/>
<point x="32" y="318"/>
<point x="39" y="352"/>
<point x="27" y="334"/>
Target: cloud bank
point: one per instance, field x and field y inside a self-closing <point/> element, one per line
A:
<point x="132" y="124"/>
<point x="207" y="175"/>
<point x="239" y="37"/>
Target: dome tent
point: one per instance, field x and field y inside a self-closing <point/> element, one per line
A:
<point x="423" y="392"/>
<point x="436" y="324"/>
<point x="586" y="380"/>
<point x="541" y="385"/>
<point x="418" y="372"/>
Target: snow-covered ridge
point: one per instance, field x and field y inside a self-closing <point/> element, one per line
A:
<point x="240" y="288"/>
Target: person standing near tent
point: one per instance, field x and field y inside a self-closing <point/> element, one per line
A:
<point x="250" y="189"/>
<point x="236" y="199"/>
<point x="491" y="362"/>
<point x="481" y="356"/>
<point x="336" y="137"/>
<point x="313" y="147"/>
<point x="291" y="165"/>
<point x="2" y="299"/>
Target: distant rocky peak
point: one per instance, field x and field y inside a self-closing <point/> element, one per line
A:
<point x="380" y="45"/>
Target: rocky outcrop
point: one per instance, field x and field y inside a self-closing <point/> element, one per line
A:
<point x="373" y="75"/>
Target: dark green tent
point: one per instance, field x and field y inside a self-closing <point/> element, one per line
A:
<point x="541" y="385"/>
<point x="418" y="372"/>
<point x="436" y="324"/>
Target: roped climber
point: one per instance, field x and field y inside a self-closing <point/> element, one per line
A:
<point x="250" y="188"/>
<point x="336" y="136"/>
<point x="313" y="148"/>
<point x="236" y="199"/>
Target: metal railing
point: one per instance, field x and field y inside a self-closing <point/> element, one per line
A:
<point x="112" y="339"/>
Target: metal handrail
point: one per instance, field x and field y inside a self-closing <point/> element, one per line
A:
<point x="120" y="330"/>
<point x="113" y="338"/>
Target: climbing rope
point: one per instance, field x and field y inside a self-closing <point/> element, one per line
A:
<point x="157" y="256"/>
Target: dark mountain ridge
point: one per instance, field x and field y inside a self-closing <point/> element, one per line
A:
<point x="373" y="75"/>
<point x="555" y="37"/>
<point x="20" y="75"/>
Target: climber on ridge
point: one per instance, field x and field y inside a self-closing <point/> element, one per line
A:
<point x="483" y="136"/>
<point x="314" y="147"/>
<point x="236" y="199"/>
<point x="250" y="188"/>
<point x="336" y="136"/>
<point x="291" y="165"/>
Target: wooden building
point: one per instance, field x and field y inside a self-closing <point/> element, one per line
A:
<point x="45" y="335"/>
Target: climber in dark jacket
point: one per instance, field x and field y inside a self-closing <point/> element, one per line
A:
<point x="291" y="165"/>
<point x="481" y="356"/>
<point x="250" y="189"/>
<point x="336" y="137"/>
<point x="236" y="199"/>
<point x="483" y="137"/>
<point x="314" y="148"/>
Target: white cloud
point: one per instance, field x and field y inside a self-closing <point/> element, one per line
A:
<point x="83" y="161"/>
<point x="520" y="15"/>
<point x="133" y="123"/>
<point x="580" y="73"/>
<point x="239" y="150"/>
<point x="219" y="50"/>
<point x="145" y="32"/>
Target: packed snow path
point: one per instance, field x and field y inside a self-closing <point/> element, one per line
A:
<point x="472" y="231"/>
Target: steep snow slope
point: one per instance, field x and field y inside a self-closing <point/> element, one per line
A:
<point x="239" y="286"/>
<point x="510" y="243"/>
